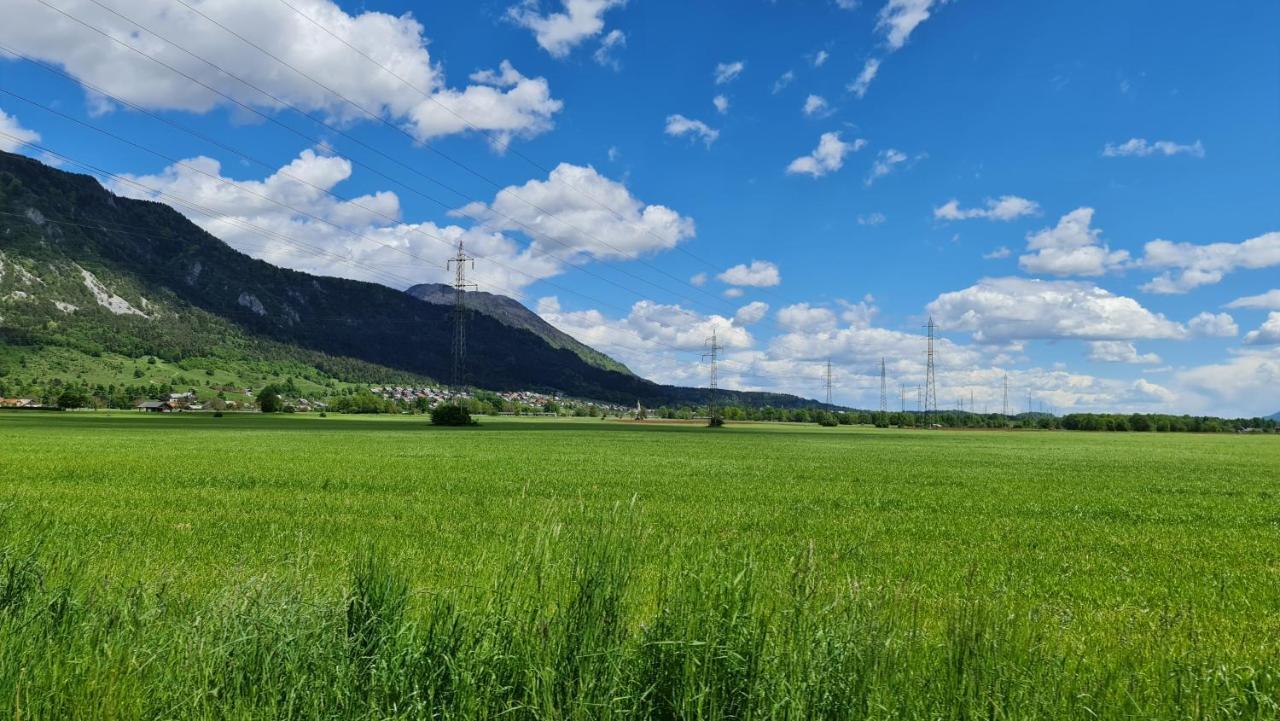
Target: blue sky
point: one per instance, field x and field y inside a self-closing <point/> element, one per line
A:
<point x="643" y="172"/>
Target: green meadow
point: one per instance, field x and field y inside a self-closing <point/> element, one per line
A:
<point x="176" y="567"/>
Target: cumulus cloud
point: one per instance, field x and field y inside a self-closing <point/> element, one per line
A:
<point x="862" y="83"/>
<point x="288" y="219"/>
<point x="1213" y="325"/>
<point x="821" y="58"/>
<point x="998" y="254"/>
<point x="503" y="103"/>
<point x="899" y="18"/>
<point x="649" y="338"/>
<point x="13" y="135"/>
<point x="1247" y="384"/>
<point x="1266" y="301"/>
<point x="1072" y="247"/>
<point x="1001" y="309"/>
<point x="603" y="55"/>
<point x="1190" y="266"/>
<point x="753" y="312"/>
<point x="816" y="105"/>
<point x="1267" y="334"/>
<point x="760" y="274"/>
<point x="578" y="209"/>
<point x="828" y="157"/>
<point x="721" y="103"/>
<point x="559" y="32"/>
<point x="726" y="73"/>
<point x="1139" y="147"/>
<point x="805" y="318"/>
<point x="1119" y="351"/>
<point x="698" y="279"/>
<point x="678" y="125"/>
<point x="876" y="218"/>
<point x="1006" y="208"/>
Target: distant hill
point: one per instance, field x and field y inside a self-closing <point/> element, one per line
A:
<point x="512" y="313"/>
<point x="97" y="274"/>
<point x="1274" y="417"/>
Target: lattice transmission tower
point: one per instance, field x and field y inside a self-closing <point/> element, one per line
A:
<point x="458" y="264"/>
<point x="884" y="389"/>
<point x="930" y="379"/>
<point x="713" y="386"/>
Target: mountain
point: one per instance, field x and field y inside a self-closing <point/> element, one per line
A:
<point x="87" y="271"/>
<point x="513" y="313"/>
<point x="1274" y="417"/>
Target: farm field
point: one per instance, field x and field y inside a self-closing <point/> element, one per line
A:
<point x="352" y="567"/>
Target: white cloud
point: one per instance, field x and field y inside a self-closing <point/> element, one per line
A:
<point x="1139" y="147"/>
<point x="1245" y="385"/>
<point x="899" y="18"/>
<point x="847" y="4"/>
<point x="1191" y="266"/>
<point x="860" y="314"/>
<point x="783" y="81"/>
<point x="760" y="274"/>
<point x="1119" y="351"/>
<point x="14" y="135"/>
<point x="590" y="215"/>
<point x="821" y="58"/>
<point x="559" y="32"/>
<point x="721" y="103"/>
<point x="1213" y="325"/>
<point x="698" y="280"/>
<point x="886" y="162"/>
<point x="614" y="153"/>
<point x="876" y="218"/>
<point x="828" y="157"/>
<point x="360" y="238"/>
<point x="504" y="103"/>
<point x="647" y="336"/>
<point x="1006" y="208"/>
<point x="1071" y="248"/>
<point x="1267" y="334"/>
<point x="1000" y="309"/>
<point x="998" y="253"/>
<point x="728" y="72"/>
<point x="804" y="318"/>
<point x="603" y="55"/>
<point x="678" y="125"/>
<point x="734" y="292"/>
<point x="753" y="312"/>
<point x="816" y="105"/>
<point x="862" y="83"/>
<point x="1266" y="301"/>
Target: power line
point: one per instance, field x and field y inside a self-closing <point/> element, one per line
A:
<point x="514" y="151"/>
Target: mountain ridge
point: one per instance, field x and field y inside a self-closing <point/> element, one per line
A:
<point x="86" y="269"/>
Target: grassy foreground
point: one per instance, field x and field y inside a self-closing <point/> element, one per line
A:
<point x="255" y="567"/>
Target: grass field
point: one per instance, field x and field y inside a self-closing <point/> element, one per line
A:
<point x="344" y="567"/>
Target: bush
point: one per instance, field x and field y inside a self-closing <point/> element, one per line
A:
<point x="828" y="421"/>
<point x="715" y="422"/>
<point x="451" y="415"/>
<point x="217" y="414"/>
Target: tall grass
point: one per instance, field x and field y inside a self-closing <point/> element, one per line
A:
<point x="578" y="628"/>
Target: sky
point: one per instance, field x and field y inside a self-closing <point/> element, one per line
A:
<point x="1082" y="196"/>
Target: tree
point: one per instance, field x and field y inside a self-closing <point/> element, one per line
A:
<point x="269" y="400"/>
<point x="449" y="414"/>
<point x="73" y="398"/>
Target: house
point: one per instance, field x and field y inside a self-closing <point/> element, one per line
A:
<point x="154" y="407"/>
<point x="17" y="403"/>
